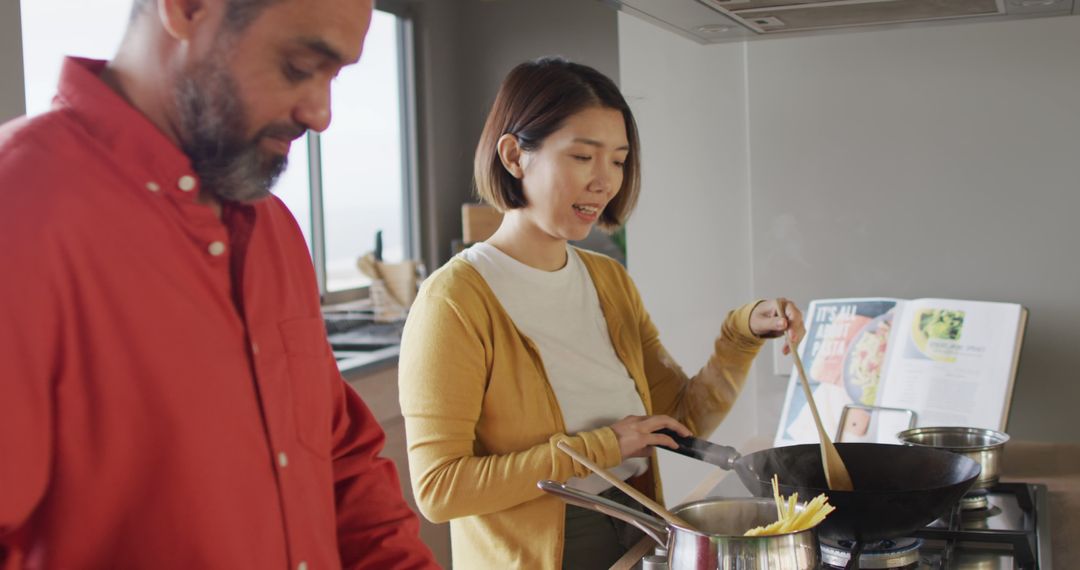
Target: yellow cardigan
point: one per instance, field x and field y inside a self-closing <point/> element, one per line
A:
<point x="482" y="420"/>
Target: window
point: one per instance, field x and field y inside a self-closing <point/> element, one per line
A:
<point x="55" y="28"/>
<point x="363" y="159"/>
<point x="342" y="185"/>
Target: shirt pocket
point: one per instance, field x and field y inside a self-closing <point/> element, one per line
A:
<point x="312" y="381"/>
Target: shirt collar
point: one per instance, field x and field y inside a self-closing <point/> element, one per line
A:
<point x="139" y="147"/>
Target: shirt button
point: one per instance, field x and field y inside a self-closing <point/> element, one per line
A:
<point x="302" y="566"/>
<point x="254" y="348"/>
<point x="216" y="248"/>
<point x="153" y="186"/>
<point x="186" y="183"/>
<point x="282" y="459"/>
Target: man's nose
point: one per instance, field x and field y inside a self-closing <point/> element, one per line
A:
<point x="313" y="111"/>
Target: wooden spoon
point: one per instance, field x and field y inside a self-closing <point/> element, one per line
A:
<point x="836" y="473"/>
<point x="624" y="487"/>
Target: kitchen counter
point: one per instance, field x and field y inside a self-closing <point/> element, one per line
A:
<point x="1056" y="465"/>
<point x="361" y="344"/>
<point x="356" y="363"/>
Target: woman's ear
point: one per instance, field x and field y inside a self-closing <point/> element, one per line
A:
<point x="510" y="154"/>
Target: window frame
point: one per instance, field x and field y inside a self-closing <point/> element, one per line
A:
<point x="410" y="198"/>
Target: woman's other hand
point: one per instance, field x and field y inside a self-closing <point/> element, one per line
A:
<point x="636" y="437"/>
<point x="766" y="321"/>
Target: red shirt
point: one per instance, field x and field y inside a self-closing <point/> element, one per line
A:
<point x="167" y="395"/>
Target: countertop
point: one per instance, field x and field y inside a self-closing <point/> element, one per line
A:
<point x="1056" y="465"/>
<point x="362" y="345"/>
<point x="355" y="363"/>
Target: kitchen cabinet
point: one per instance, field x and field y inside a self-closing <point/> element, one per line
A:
<point x="379" y="389"/>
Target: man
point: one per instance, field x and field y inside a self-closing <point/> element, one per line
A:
<point x="167" y="395"/>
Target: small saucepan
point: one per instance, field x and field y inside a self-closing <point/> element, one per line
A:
<point x="716" y="541"/>
<point x="982" y="445"/>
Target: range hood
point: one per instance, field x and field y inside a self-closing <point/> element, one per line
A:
<point x="715" y="21"/>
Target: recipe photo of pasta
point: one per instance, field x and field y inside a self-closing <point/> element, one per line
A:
<point x="788" y="520"/>
<point x="864" y="360"/>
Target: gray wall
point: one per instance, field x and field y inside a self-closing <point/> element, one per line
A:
<point x="690" y="261"/>
<point x="464" y="48"/>
<point x="12" y="94"/>
<point x="439" y="124"/>
<point x="929" y="162"/>
<point x="933" y="161"/>
<point x="499" y="35"/>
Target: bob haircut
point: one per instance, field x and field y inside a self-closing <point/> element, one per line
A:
<point x="534" y="101"/>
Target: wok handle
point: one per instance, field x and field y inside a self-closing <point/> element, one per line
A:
<point x="700" y="449"/>
<point x="655" y="528"/>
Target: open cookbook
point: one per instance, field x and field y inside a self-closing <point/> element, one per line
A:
<point x="883" y="364"/>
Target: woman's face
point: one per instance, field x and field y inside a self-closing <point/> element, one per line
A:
<point x="576" y="171"/>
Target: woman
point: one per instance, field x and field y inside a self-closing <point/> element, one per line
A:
<point x="522" y="341"/>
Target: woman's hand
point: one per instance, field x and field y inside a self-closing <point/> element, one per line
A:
<point x="636" y="437"/>
<point x="767" y="322"/>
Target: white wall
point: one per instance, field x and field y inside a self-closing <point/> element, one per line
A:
<point x="688" y="241"/>
<point x="936" y="161"/>
<point x="12" y="94"/>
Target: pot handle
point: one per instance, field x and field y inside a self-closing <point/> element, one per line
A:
<point x="723" y="456"/>
<point x="650" y="525"/>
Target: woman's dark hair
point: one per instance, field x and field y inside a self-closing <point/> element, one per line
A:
<point x="534" y="101"/>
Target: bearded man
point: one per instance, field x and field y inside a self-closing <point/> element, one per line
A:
<point x="167" y="395"/>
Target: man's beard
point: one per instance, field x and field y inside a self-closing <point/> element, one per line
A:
<point x="213" y="127"/>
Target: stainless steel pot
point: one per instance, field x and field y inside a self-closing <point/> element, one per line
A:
<point x="983" y="445"/>
<point x="716" y="542"/>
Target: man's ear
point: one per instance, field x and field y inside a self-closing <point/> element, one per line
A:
<point x="510" y="154"/>
<point x="181" y="17"/>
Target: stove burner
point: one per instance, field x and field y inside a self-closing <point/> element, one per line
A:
<point x="901" y="553"/>
<point x="980" y="518"/>
<point x="975" y="501"/>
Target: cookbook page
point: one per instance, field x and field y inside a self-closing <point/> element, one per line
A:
<point x="953" y="362"/>
<point x="843" y="354"/>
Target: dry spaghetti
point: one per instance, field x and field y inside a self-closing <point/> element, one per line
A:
<point x="788" y="520"/>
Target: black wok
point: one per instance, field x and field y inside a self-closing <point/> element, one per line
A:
<point x="898" y="489"/>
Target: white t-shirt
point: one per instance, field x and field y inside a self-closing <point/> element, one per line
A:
<point x="560" y="312"/>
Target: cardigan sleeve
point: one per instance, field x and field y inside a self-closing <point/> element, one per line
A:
<point x="443" y="372"/>
<point x="700" y="402"/>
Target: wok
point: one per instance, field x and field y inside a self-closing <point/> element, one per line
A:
<point x="898" y="489"/>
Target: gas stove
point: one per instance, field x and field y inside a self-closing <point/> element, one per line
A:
<point x="1005" y="527"/>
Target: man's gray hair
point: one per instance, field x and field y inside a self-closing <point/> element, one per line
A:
<point x="238" y="13"/>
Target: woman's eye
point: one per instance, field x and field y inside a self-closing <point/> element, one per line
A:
<point x="295" y="74"/>
<point x="582" y="158"/>
<point x="619" y="163"/>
